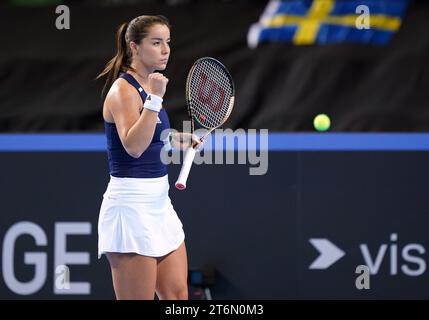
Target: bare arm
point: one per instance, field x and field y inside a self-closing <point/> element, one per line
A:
<point x="135" y="130"/>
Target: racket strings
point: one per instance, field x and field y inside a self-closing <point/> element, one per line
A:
<point x="211" y="92"/>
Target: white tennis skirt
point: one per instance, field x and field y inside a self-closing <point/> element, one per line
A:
<point x="137" y="216"/>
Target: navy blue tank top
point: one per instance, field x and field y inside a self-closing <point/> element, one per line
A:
<point x="149" y="164"/>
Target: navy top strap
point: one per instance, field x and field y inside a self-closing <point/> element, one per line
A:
<point x="132" y="81"/>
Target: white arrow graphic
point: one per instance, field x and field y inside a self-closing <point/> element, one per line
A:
<point x="329" y="253"/>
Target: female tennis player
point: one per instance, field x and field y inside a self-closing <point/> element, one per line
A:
<point x="138" y="228"/>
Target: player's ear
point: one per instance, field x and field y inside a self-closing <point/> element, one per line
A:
<point x="134" y="47"/>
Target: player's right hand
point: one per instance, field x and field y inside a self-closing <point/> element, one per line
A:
<point x="157" y="84"/>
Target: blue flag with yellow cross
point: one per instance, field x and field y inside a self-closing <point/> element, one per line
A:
<point x="307" y="22"/>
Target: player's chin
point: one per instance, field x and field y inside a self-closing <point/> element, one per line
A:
<point x="162" y="66"/>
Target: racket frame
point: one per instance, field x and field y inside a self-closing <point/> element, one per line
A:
<point x="190" y="154"/>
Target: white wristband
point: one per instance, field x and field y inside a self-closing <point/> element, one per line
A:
<point x="153" y="102"/>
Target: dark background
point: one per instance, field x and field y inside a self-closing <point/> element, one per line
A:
<point x="47" y="75"/>
<point x="253" y="231"/>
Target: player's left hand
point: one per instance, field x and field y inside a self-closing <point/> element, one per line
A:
<point x="197" y="143"/>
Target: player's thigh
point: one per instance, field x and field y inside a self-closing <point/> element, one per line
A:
<point x="172" y="275"/>
<point x="133" y="275"/>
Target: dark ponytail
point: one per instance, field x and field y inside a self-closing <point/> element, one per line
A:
<point x="118" y="63"/>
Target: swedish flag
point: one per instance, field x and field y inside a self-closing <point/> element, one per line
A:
<point x="305" y="22"/>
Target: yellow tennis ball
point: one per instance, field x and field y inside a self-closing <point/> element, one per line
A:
<point x="321" y="122"/>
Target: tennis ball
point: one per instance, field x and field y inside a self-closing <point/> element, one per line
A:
<point x="321" y="122"/>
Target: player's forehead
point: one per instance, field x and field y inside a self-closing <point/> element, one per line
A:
<point x="159" y="31"/>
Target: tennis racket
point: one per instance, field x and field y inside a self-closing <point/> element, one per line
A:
<point x="210" y="99"/>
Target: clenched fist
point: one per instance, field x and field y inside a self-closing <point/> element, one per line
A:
<point x="157" y="84"/>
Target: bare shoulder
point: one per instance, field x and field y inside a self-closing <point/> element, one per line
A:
<point x="121" y="91"/>
<point x="122" y="97"/>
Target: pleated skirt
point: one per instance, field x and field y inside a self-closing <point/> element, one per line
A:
<point x="136" y="216"/>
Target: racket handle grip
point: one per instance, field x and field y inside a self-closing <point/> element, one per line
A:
<point x="186" y="167"/>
